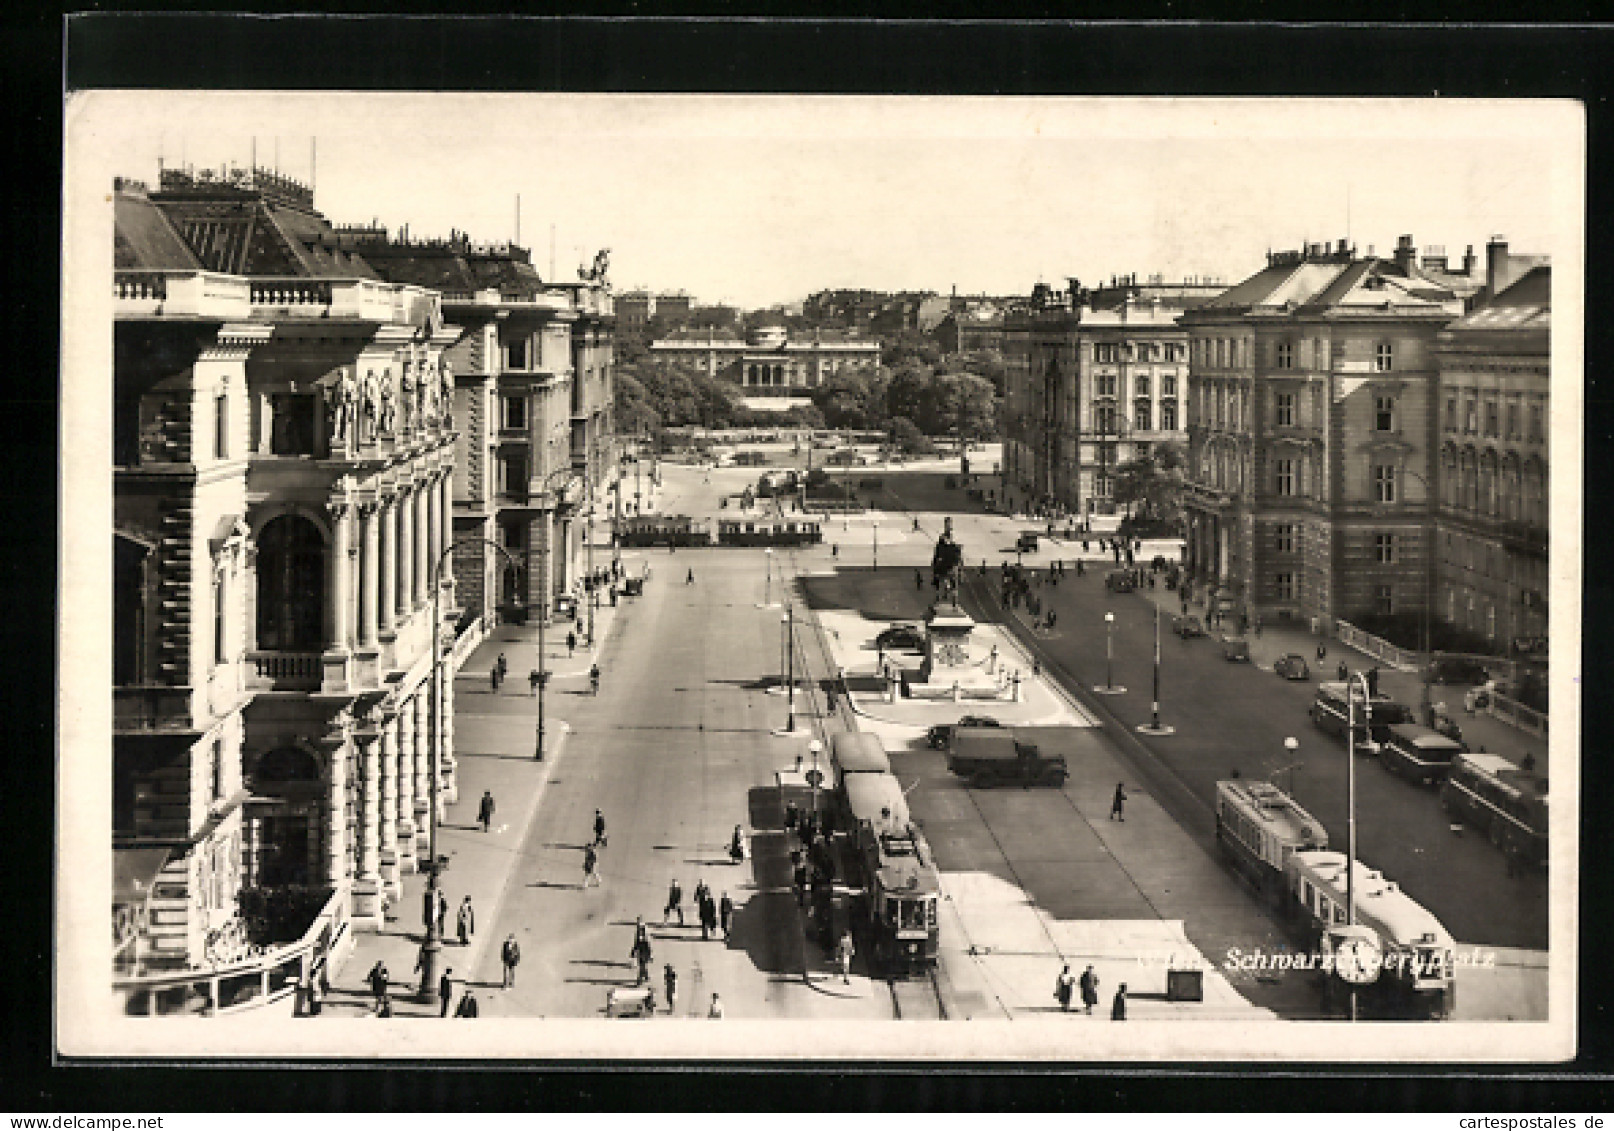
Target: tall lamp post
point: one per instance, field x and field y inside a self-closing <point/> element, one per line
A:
<point x="876" y="527"/>
<point x="1357" y="957"/>
<point x="1109" y="687"/>
<point x="431" y="952"/>
<point x="1290" y="746"/>
<point x="767" y="584"/>
<point x="1154" y="725"/>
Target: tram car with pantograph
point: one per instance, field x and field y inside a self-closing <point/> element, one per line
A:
<point x="896" y="872"/>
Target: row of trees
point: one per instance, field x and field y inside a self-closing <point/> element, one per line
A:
<point x="910" y="399"/>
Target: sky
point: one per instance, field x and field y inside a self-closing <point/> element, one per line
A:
<point x="756" y="201"/>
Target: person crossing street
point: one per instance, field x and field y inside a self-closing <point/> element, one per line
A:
<point x="675" y="902"/>
<point x="599" y="828"/>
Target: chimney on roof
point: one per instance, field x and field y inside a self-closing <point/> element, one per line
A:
<point x="1470" y="261"/>
<point x="1406" y="255"/>
<point x="1496" y="265"/>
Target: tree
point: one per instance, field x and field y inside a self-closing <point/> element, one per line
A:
<point x="1153" y="482"/>
<point x="906" y="436"/>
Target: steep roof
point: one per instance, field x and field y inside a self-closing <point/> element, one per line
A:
<point x="1526" y="305"/>
<point x="1333" y="283"/>
<point x="143" y="239"/>
<point x="244" y="233"/>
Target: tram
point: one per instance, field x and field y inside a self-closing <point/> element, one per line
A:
<point x="1259" y="828"/>
<point x="854" y="752"/>
<point x="769" y="532"/>
<point x="1505" y="802"/>
<point x="897" y="873"/>
<point x="1418" y="975"/>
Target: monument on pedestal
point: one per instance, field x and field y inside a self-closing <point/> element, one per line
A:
<point x="948" y="669"/>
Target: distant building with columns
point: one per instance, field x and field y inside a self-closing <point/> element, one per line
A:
<point x="284" y="454"/>
<point x="767" y="361"/>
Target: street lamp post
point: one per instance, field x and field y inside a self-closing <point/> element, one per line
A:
<point x="767" y="584"/>
<point x="1356" y="678"/>
<point x="1291" y="744"/>
<point x="790" y="665"/>
<point x="1109" y="687"/>
<point x="816" y="748"/>
<point x="431" y="951"/>
<point x="876" y="526"/>
<point x="1154" y="725"/>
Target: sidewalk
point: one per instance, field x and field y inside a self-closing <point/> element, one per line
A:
<point x="494" y="738"/>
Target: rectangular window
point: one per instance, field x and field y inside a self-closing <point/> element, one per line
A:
<point x="511" y="537"/>
<point x="1384" y="600"/>
<point x="1492" y="419"/>
<point x="218" y="621"/>
<point x="1104" y="351"/>
<point x="1470" y="415"/>
<point x="1536" y="434"/>
<point x="292" y="427"/>
<point x="1451" y="413"/>
<point x="1286" y="355"/>
<point x="1106" y="384"/>
<point x="1142" y="416"/>
<point x="1384" y="483"/>
<point x="515" y="412"/>
<point x="1283" y="538"/>
<point x="1384" y="414"/>
<point x="1168" y="416"/>
<point x="221" y="427"/>
<point x="515" y="353"/>
<point x="1384" y="357"/>
<point x="513" y="474"/>
<point x="1283" y="410"/>
<point x="1513" y="421"/>
<point x="1283" y="476"/>
<point x="1384" y="549"/>
<point x="1140" y="385"/>
<point x="1283" y="586"/>
<point x="1168" y="385"/>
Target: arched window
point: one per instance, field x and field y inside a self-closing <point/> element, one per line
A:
<point x="291" y="585"/>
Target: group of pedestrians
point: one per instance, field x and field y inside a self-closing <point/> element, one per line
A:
<point x="714" y="915"/>
<point x="1066" y="988"/>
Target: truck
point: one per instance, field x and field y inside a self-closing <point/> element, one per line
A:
<point x="986" y="756"/>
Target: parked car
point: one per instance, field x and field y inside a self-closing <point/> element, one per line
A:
<point x="1292" y="665"/>
<point x="1235" y="649"/>
<point x="1187" y="626"/>
<point x="1120" y="581"/>
<point x="1457" y="669"/>
<point x="633" y="587"/>
<point x="940" y="736"/>
<point x="1027" y="542"/>
<point x="909" y="636"/>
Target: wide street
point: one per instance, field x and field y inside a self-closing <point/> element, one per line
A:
<point x="678" y="748"/>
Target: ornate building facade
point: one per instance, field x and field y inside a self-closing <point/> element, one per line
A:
<point x="767" y="361"/>
<point x="1311" y="423"/>
<point x="1090" y="388"/>
<point x="1491" y="526"/>
<point x="284" y="454"/>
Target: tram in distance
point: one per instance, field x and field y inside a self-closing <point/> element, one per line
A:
<point x="894" y="866"/>
<point x="1507" y="803"/>
<point x="1283" y="850"/>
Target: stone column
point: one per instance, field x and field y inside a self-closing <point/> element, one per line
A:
<point x="367" y="911"/>
<point x="422" y="524"/>
<point x="434" y="532"/>
<point x="446" y="487"/>
<point x="337" y="637"/>
<point x="369" y="569"/>
<point x="389" y="565"/>
<point x="449" y="765"/>
<point x="407" y="862"/>
<point x="388" y="817"/>
<point x="406" y="555"/>
<point x="423" y="770"/>
<point x="336" y="812"/>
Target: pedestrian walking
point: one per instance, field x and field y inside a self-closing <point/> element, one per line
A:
<point x="378" y="977"/>
<point x="641" y="954"/>
<point x="675" y="902"/>
<point x="1064" y="989"/>
<point x="533" y="680"/>
<point x="737" y="846"/>
<point x="792" y="813"/>
<point x="383" y="1007"/>
<point x="834" y="550"/>
<point x="708" y="916"/>
<point x="843" y="956"/>
<point x="493" y="678"/>
<point x="715" y="1011"/>
<point x="571" y="643"/>
<point x="445" y="990"/>
<point x="442" y="913"/>
<point x="1089" y="988"/>
<point x="1118" y="1006"/>
<point x="510" y="957"/>
<point x="420" y="966"/>
<point x="725" y="913"/>
<point x="1118" y="803"/>
<point x="599" y="828"/>
<point x="504" y="667"/>
<point x="669" y="979"/>
<point x="1322" y="651"/>
<point x="468" y="1006"/>
<point x="465" y="920"/>
<point x="591" y="867"/>
<point x="594" y="680"/>
<point x="484" y="811"/>
<point x="690" y="580"/>
<point x="1344" y="672"/>
<point x="798" y="880"/>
